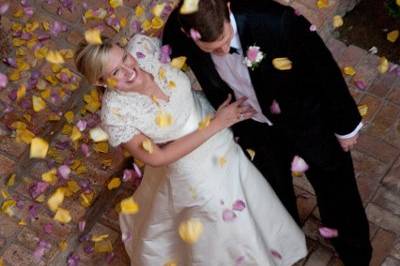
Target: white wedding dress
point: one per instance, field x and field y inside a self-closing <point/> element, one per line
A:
<point x="244" y="223"/>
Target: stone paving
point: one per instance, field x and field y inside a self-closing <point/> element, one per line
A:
<point x="28" y="233"/>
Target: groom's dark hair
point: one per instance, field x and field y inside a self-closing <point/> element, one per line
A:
<point x="208" y="20"/>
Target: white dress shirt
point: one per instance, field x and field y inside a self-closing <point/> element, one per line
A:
<point x="235" y="73"/>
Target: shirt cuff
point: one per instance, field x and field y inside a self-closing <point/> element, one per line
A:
<point x="352" y="134"/>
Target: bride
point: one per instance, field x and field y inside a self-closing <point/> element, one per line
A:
<point x="196" y="176"/>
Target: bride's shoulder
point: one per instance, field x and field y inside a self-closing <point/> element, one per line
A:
<point x="146" y="45"/>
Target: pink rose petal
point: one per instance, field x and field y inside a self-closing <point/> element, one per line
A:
<point x="3" y="81"/>
<point x="275" y="108"/>
<point x="81" y="125"/>
<point x="85" y="150"/>
<point x="48" y="228"/>
<point x="127" y="175"/>
<point x="299" y="165"/>
<point x="360" y="84"/>
<point x="239" y="205"/>
<point x="327" y="232"/>
<point x="252" y="53"/>
<point x="276" y="254"/>
<point x="137" y="170"/>
<point x="228" y="215"/>
<point x="64" y="171"/>
<point x="313" y="28"/>
<point x="4" y="8"/>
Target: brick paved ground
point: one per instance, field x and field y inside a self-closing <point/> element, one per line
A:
<point x="31" y="226"/>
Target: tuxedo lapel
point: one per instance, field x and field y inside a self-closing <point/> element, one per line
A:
<point x="257" y="74"/>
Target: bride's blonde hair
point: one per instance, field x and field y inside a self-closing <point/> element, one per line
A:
<point x="90" y="59"/>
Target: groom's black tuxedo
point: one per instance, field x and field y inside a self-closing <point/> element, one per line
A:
<point x="315" y="104"/>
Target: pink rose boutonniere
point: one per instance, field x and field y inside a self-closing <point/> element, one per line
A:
<point x="253" y="57"/>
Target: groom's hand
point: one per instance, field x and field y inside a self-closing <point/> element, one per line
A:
<point x="347" y="144"/>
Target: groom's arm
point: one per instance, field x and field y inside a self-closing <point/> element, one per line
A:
<point x="309" y="51"/>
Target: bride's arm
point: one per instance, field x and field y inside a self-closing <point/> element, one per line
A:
<point x="226" y="116"/>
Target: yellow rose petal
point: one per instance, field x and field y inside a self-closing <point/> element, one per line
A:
<point x="114" y="183"/>
<point x="171" y="84"/>
<point x="190" y="230"/>
<point x="157" y="23"/>
<point x="323" y="3"/>
<point x="39" y="148"/>
<point x="178" y="62"/>
<point x="383" y="65"/>
<point x="50" y="176"/>
<point x="76" y="134"/>
<point x="73" y="186"/>
<point x="97" y="134"/>
<point x="147" y="145"/>
<point x="393" y="36"/>
<point x="252" y="153"/>
<point x="115" y="3"/>
<point x="337" y="21"/>
<point x="162" y="73"/>
<point x="63" y="245"/>
<point x="54" y="57"/>
<point x="93" y="36"/>
<point x="38" y="103"/>
<point x="221" y="161"/>
<point x="11" y="181"/>
<point x="163" y="119"/>
<point x="56" y="199"/>
<point x="146" y="25"/>
<point x="129" y="206"/>
<point x="101" y="147"/>
<point x="189" y="6"/>
<point x="282" y="63"/>
<point x="98" y="238"/>
<point x="363" y="109"/>
<point x="62" y="216"/>
<point x="21" y="92"/>
<point x="104" y="246"/>
<point x="158" y="9"/>
<point x="69" y="116"/>
<point x="350" y="71"/>
<point x="205" y="122"/>
<point x="139" y="11"/>
<point x="86" y="199"/>
<point x="21" y="222"/>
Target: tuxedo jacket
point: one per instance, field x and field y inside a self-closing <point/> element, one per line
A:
<point x="313" y="96"/>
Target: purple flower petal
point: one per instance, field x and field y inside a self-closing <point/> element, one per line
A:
<point x="137" y="170"/>
<point x="88" y="249"/>
<point x="140" y="55"/>
<point x="228" y="215"/>
<point x="73" y="260"/>
<point x="37" y="188"/>
<point x="85" y="150"/>
<point x="110" y="257"/>
<point x="327" y="232"/>
<point x="29" y="11"/>
<point x="127" y="175"/>
<point x="64" y="171"/>
<point x="165" y="54"/>
<point x="11" y="62"/>
<point x="81" y="226"/>
<point x="239" y="205"/>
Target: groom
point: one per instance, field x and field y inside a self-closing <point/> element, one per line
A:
<point x="304" y="106"/>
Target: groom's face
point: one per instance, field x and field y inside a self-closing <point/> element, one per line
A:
<point x="220" y="46"/>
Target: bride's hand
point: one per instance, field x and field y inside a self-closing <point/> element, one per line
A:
<point x="229" y="113"/>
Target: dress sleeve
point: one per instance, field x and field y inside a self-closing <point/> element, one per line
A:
<point x="118" y="123"/>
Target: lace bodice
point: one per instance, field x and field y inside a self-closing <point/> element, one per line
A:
<point x="125" y="114"/>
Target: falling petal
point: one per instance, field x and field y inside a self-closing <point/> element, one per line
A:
<point x="299" y="166"/>
<point x="393" y="36"/>
<point x="190" y="230"/>
<point x="178" y="62"/>
<point x="228" y="215"/>
<point x="93" y="36"/>
<point x="189" y="6"/>
<point x="275" y="108"/>
<point x="252" y="154"/>
<point x="147" y="145"/>
<point x="158" y="9"/>
<point x="337" y="21"/>
<point x="383" y="65"/>
<point x="239" y="205"/>
<point x="282" y="63"/>
<point x="328" y="232"/>
<point x="363" y="110"/>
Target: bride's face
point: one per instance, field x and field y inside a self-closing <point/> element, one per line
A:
<point x="122" y="67"/>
